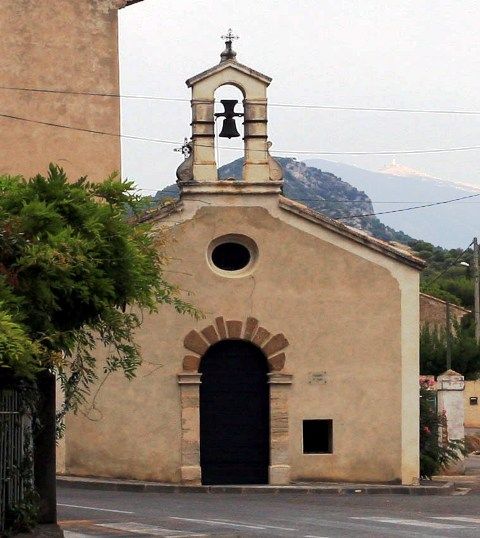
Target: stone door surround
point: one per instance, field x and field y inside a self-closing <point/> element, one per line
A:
<point x="273" y="346"/>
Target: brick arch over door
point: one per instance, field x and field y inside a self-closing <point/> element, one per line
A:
<point x="189" y="380"/>
<point x="197" y="342"/>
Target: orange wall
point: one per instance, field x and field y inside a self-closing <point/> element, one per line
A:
<point x="59" y="44"/>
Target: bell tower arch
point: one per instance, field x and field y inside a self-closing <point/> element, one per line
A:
<point x="200" y="167"/>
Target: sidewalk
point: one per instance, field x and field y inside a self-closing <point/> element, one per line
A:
<point x="322" y="488"/>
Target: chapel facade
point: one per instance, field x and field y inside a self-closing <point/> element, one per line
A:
<point x="305" y="365"/>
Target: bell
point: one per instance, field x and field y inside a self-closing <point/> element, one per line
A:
<point x="229" y="128"/>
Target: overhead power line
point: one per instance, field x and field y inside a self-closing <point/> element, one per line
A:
<point x="383" y="152"/>
<point x="333" y="201"/>
<point x="379" y="109"/>
<point x="454" y="262"/>
<point x="409" y="208"/>
<point x="280" y="105"/>
<point x="374" y="214"/>
<point x="85" y="130"/>
<point x="278" y="151"/>
<point x="96" y="94"/>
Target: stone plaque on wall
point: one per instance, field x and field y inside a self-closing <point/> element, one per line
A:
<point x="317" y="378"/>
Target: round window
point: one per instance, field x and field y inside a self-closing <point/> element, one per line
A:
<point x="232" y="255"/>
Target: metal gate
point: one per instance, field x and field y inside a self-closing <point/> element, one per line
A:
<point x="11" y="451"/>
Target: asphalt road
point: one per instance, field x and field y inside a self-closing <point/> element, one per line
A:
<point x="84" y="512"/>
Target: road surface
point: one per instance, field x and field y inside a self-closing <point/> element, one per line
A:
<point x="86" y="512"/>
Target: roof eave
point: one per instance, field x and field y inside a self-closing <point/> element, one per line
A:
<point x="224" y="65"/>
<point x="157" y="213"/>
<point x="352" y="233"/>
<point x="438" y="300"/>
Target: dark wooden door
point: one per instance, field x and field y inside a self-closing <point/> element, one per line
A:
<point x="234" y="414"/>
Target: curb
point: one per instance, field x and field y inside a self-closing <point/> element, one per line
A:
<point x="318" y="489"/>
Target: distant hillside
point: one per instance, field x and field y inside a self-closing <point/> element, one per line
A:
<point x="449" y="225"/>
<point x="321" y="191"/>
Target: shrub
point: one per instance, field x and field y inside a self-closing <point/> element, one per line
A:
<point x="436" y="451"/>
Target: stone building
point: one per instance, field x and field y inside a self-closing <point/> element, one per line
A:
<point x="70" y="49"/>
<point x="305" y="366"/>
<point x="433" y="312"/>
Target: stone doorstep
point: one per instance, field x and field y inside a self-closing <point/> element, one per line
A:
<point x="324" y="488"/>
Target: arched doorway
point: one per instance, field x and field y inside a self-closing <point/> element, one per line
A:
<point x="234" y="414"/>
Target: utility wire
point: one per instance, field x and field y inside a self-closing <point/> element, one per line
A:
<point x="280" y="105"/>
<point x="409" y="208"/>
<point x="93" y="131"/>
<point x="393" y="210"/>
<point x="96" y="94"/>
<point x="455" y="261"/>
<point x="326" y="201"/>
<point x="85" y="130"/>
<point x="278" y="151"/>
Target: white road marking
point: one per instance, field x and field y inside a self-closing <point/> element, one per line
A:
<point x="314" y="536"/>
<point x="213" y="522"/>
<point x="143" y="528"/>
<point x="414" y="522"/>
<point x="254" y="523"/>
<point x="94" y="508"/>
<point x="461" y="519"/>
<point x="70" y="534"/>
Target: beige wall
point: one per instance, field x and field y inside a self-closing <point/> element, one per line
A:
<point x="472" y="412"/>
<point x="59" y="44"/>
<point x="345" y="309"/>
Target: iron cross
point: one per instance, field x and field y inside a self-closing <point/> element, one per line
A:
<point x="230" y="36"/>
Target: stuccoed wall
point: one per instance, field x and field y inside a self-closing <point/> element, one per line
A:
<point x="345" y="310"/>
<point x="472" y="412"/>
<point x="67" y="45"/>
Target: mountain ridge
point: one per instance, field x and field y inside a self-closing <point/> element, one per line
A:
<point x="396" y="169"/>
<point x="321" y="191"/>
<point x="449" y="225"/>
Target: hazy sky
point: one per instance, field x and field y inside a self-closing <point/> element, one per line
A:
<point x="422" y="54"/>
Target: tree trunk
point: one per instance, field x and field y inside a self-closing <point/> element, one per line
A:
<point x="44" y="449"/>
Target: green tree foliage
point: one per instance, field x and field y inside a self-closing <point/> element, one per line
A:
<point x="465" y="350"/>
<point x="18" y="353"/>
<point x="444" y="277"/>
<point x="76" y="273"/>
<point x="439" y="258"/>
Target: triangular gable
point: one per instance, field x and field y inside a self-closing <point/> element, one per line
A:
<point x="305" y="212"/>
<point x="229" y="64"/>
<point x="352" y="233"/>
